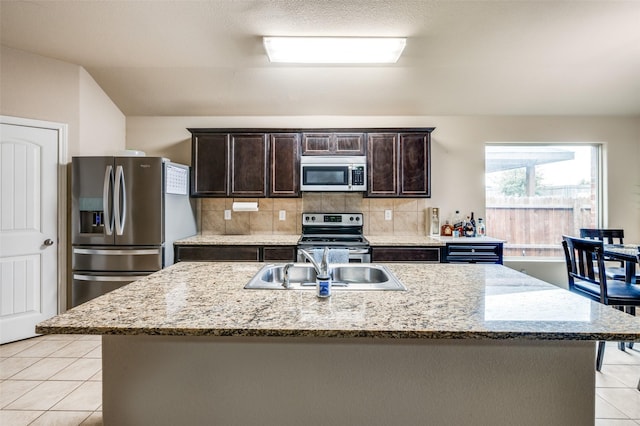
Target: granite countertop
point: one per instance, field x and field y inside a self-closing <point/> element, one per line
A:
<point x="249" y="239"/>
<point x="418" y="240"/>
<point x="292" y="239"/>
<point x="443" y="301"/>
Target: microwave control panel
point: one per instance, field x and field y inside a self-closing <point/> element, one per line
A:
<point x="357" y="176"/>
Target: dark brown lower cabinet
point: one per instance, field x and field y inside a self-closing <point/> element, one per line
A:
<point x="472" y="253"/>
<point x="279" y="254"/>
<point x="234" y="253"/>
<point x="405" y="254"/>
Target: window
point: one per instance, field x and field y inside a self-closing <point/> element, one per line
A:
<point x="535" y="193"/>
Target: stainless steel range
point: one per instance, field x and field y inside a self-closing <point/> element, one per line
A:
<point x="335" y="230"/>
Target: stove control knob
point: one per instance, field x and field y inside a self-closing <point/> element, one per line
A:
<point x="313" y="218"/>
<point x="351" y="219"/>
<point x="357" y="218"/>
<point x="306" y="218"/>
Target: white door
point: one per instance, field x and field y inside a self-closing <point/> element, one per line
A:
<point x="28" y="229"/>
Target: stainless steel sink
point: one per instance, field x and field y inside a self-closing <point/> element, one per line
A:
<point x="345" y="276"/>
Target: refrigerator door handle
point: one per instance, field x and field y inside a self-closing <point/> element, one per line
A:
<point x="120" y="210"/>
<point x="110" y="252"/>
<point x="106" y="197"/>
<point x="129" y="278"/>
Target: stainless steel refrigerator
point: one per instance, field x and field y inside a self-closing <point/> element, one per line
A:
<point x="126" y="214"/>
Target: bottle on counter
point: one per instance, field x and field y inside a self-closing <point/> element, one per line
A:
<point x="458" y="224"/>
<point x="482" y="229"/>
<point x="447" y="229"/>
<point x="468" y="229"/>
<point x="473" y="223"/>
<point x="458" y="220"/>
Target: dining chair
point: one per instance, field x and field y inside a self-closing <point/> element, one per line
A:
<point x="609" y="236"/>
<point x="585" y="266"/>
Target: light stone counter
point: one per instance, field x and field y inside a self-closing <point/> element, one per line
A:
<point x="250" y="239"/>
<point x="442" y="301"/>
<point x="421" y="240"/>
<point x="466" y="344"/>
<point x="375" y="240"/>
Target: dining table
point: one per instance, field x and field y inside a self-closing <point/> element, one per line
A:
<point x="627" y="253"/>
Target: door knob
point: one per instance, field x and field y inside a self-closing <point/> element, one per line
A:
<point x="48" y="242"/>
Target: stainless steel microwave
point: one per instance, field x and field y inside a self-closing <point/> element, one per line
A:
<point x="333" y="173"/>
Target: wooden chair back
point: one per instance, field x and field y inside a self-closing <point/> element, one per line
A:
<point x="585" y="262"/>
<point x="609" y="236"/>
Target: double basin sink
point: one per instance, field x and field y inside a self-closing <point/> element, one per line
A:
<point x="344" y="276"/>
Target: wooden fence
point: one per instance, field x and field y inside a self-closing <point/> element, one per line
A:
<point x="533" y="226"/>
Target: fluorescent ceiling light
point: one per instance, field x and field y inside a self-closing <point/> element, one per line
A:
<point x="334" y="50"/>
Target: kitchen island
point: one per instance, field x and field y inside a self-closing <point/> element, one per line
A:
<point x="465" y="344"/>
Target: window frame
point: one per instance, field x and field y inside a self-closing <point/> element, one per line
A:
<point x="600" y="198"/>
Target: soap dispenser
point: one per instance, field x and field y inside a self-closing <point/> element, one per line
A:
<point x="323" y="280"/>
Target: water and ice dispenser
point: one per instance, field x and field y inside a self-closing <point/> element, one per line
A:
<point x="92" y="215"/>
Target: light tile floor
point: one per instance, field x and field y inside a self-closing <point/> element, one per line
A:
<point x="57" y="380"/>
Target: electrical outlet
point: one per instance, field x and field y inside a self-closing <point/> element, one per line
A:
<point x="387" y="215"/>
<point x="282" y="215"/>
<point x="227" y="215"/>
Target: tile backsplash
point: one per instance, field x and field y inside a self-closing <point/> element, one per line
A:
<point x="407" y="214"/>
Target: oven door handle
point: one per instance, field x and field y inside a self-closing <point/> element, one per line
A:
<point x="358" y="251"/>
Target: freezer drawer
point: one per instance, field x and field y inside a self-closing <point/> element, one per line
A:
<point x="97" y="258"/>
<point x="87" y="286"/>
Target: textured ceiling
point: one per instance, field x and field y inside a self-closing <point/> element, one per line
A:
<point x="474" y="57"/>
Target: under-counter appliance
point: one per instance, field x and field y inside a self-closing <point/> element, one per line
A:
<point x="336" y="231"/>
<point x="126" y="213"/>
<point x="333" y="173"/>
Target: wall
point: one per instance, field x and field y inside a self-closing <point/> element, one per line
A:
<point x="408" y="214"/>
<point x="41" y="88"/>
<point x="102" y="128"/>
<point x="457" y="161"/>
<point x="457" y="150"/>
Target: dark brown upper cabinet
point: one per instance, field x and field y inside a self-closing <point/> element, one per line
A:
<point x="332" y="143"/>
<point x="229" y="165"/>
<point x="284" y="164"/>
<point x="248" y="165"/>
<point x="209" y="160"/>
<point x="399" y="164"/>
<point x="266" y="162"/>
<point x="382" y="164"/>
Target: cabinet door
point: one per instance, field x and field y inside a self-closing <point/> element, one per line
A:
<point x="382" y="164"/>
<point x="209" y="157"/>
<point x="414" y="166"/>
<point x="348" y="144"/>
<point x="316" y="143"/>
<point x="473" y="252"/>
<point x="284" y="165"/>
<point x="248" y="165"/>
<point x="279" y="254"/>
<point x="232" y="253"/>
<point x="405" y="254"/>
<point x="333" y="143"/>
